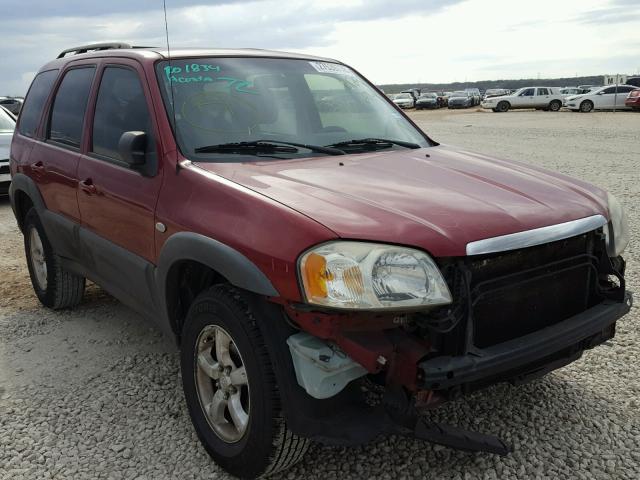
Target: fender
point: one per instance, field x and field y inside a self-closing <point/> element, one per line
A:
<point x="228" y="262"/>
<point x="21" y="182"/>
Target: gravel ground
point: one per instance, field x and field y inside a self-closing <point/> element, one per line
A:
<point x="95" y="393"/>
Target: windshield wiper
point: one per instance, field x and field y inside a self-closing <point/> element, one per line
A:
<point x="265" y="146"/>
<point x="374" y="143"/>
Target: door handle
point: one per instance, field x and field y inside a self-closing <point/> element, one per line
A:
<point x="88" y="187"/>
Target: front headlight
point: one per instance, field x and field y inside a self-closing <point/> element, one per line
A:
<point x="618" y="231"/>
<point x="359" y="275"/>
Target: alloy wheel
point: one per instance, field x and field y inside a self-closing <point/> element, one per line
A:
<point x="37" y="258"/>
<point x="222" y="384"/>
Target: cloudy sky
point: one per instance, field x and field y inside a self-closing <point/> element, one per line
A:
<point x="397" y="41"/>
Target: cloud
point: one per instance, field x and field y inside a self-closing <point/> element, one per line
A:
<point x="620" y="11"/>
<point x="29" y="9"/>
<point x="39" y="30"/>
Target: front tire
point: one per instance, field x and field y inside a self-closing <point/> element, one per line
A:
<point x="55" y="287"/>
<point x="502" y="106"/>
<point x="230" y="387"/>
<point x="586" y="106"/>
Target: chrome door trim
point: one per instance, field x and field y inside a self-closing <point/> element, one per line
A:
<point x="537" y="236"/>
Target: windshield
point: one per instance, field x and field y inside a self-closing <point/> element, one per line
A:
<point x="428" y="95"/>
<point x="404" y="96"/>
<point x="224" y="100"/>
<point x="459" y="94"/>
<point x="6" y="122"/>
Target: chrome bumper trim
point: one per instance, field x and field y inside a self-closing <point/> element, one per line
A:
<point x="537" y="236"/>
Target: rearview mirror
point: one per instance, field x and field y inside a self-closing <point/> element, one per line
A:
<point x="132" y="148"/>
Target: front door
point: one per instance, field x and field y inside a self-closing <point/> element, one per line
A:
<point x="524" y="98"/>
<point x="117" y="201"/>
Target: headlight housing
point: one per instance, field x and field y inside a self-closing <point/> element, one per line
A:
<point x="618" y="229"/>
<point x="369" y="276"/>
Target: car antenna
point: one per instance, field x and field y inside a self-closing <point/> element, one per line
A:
<point x="173" y="103"/>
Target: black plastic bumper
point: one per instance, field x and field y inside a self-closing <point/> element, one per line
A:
<point x="512" y="358"/>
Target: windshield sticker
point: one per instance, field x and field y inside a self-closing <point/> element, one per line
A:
<point x="190" y="68"/>
<point x="192" y="74"/>
<point x="325" y="67"/>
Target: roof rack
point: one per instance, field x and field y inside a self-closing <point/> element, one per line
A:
<point x="94" y="47"/>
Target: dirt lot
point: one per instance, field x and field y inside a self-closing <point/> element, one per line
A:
<point x="95" y="392"/>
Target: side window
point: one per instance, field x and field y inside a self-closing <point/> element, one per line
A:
<point x="609" y="90"/>
<point x="69" y="106"/>
<point x="527" y="93"/>
<point x="34" y="103"/>
<point x="543" y="91"/>
<point x="121" y="107"/>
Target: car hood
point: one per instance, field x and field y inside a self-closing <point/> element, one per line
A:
<point x="5" y="143"/>
<point x="438" y="198"/>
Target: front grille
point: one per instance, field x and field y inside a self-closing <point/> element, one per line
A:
<point x="515" y="293"/>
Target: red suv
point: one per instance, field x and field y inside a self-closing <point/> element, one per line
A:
<point x="327" y="269"/>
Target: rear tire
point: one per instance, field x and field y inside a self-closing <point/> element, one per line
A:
<point x="55" y="287"/>
<point x="502" y="106"/>
<point x="586" y="106"/>
<point x="243" y="430"/>
<point x="555" y="106"/>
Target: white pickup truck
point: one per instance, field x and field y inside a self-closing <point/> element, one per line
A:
<point x="540" y="98"/>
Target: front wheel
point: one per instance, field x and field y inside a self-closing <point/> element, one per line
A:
<point x="502" y="107"/>
<point x="55" y="287"/>
<point x="586" y="106"/>
<point x="230" y="387"/>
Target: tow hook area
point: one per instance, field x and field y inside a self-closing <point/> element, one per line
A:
<point x="401" y="410"/>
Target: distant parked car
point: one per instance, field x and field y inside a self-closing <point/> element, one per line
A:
<point x="442" y="97"/>
<point x="460" y="99"/>
<point x="604" y="98"/>
<point x="14" y="105"/>
<point x="568" y="91"/>
<point x="404" y="100"/>
<point x="634" y="81"/>
<point x="540" y="98"/>
<point x="414" y="92"/>
<point x="495" y="92"/>
<point x="7" y="125"/>
<point x="427" y="100"/>
<point x="633" y="100"/>
<point x="475" y="95"/>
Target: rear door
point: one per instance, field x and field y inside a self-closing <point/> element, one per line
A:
<point x="623" y="91"/>
<point x="53" y="162"/>
<point x="117" y="201"/>
<point x="542" y="97"/>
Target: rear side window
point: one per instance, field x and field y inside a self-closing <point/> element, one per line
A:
<point x="34" y="103"/>
<point x="121" y="107"/>
<point x="69" y="106"/>
<point x="543" y="91"/>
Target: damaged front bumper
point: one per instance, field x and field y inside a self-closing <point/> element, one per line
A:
<point x="528" y="356"/>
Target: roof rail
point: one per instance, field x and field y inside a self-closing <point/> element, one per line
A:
<point x="93" y="48"/>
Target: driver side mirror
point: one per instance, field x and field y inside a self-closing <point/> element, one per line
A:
<point x="600" y="93"/>
<point x="132" y="148"/>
